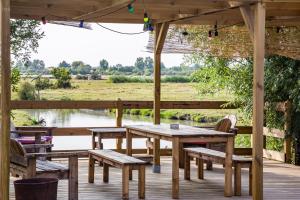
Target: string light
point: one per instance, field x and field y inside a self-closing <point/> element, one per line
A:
<point x="44" y="21"/>
<point x="130" y="8"/>
<point x="81" y="23"/>
<point x="216" y="30"/>
<point x="146" y="18"/>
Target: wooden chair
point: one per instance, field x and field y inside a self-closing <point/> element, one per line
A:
<point x="26" y="165"/>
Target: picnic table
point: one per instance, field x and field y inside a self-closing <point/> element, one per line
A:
<point x="184" y="134"/>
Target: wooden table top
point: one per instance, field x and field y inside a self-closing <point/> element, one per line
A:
<point x="183" y="131"/>
<point x="108" y="130"/>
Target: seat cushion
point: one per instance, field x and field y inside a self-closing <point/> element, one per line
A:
<point x="31" y="140"/>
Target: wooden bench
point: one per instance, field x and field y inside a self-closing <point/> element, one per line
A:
<point x="126" y="163"/>
<point x="204" y="154"/>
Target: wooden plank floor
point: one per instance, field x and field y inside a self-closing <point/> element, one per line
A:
<point x="281" y="181"/>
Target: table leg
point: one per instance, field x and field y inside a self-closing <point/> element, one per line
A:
<point x="129" y="148"/>
<point x="156" y="156"/>
<point x="93" y="141"/>
<point x="228" y="167"/>
<point x="119" y="144"/>
<point x="175" y="168"/>
<point x="100" y="142"/>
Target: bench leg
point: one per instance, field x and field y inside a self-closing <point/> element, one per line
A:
<point x="237" y="179"/>
<point x="91" y="169"/>
<point x="181" y="156"/>
<point x="73" y="178"/>
<point x="141" y="182"/>
<point x="187" y="167"/>
<point x="125" y="182"/>
<point x="200" y="168"/>
<point x="250" y="180"/>
<point x="105" y="172"/>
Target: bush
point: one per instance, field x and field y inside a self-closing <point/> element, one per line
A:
<point x="176" y="79"/>
<point x="81" y="77"/>
<point x="42" y="83"/>
<point x="95" y="76"/>
<point x="62" y="76"/>
<point x="27" y="91"/>
<point x="128" y="79"/>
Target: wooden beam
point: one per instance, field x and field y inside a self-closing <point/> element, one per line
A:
<point x="5" y="98"/>
<point x="157" y="62"/>
<point x="248" y="16"/>
<point x="16" y="104"/>
<point x="114" y="6"/>
<point x="258" y="99"/>
<point x="161" y="38"/>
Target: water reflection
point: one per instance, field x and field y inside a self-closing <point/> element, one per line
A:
<point x="92" y="118"/>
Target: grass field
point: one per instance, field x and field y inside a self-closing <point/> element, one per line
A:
<point x="102" y="90"/>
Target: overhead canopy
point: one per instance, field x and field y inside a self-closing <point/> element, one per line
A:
<point x="279" y="12"/>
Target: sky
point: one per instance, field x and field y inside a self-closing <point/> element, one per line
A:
<point x="90" y="46"/>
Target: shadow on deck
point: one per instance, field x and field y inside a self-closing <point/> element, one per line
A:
<point x="281" y="181"/>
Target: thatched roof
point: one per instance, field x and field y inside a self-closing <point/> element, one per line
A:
<point x="232" y="41"/>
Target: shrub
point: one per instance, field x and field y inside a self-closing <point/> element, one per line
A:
<point x="27" y="91"/>
<point x="176" y="79"/>
<point x="81" y="77"/>
<point x="95" y="76"/>
<point x="128" y="79"/>
<point x="62" y="76"/>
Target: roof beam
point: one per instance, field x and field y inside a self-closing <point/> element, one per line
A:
<point x="161" y="38"/>
<point x="115" y="5"/>
<point x="248" y="16"/>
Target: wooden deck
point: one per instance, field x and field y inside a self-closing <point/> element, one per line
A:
<point x="281" y="181"/>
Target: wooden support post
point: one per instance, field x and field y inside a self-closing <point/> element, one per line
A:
<point x="119" y="116"/>
<point x="156" y="156"/>
<point x="5" y="98"/>
<point x="287" y="130"/>
<point x="258" y="99"/>
<point x="161" y="31"/>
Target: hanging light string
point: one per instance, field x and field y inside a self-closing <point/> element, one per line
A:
<point x="119" y="32"/>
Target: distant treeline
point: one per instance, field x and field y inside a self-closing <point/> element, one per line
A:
<point x="141" y="67"/>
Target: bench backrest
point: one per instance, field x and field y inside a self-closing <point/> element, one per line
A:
<point x="223" y="125"/>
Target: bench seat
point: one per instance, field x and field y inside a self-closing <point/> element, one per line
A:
<point x="204" y="154"/>
<point x="125" y="162"/>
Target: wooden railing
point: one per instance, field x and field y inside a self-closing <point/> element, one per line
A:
<point x="119" y="105"/>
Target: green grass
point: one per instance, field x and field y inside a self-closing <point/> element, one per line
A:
<point x="102" y="90"/>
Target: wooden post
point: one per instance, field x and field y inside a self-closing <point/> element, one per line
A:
<point x="287" y="129"/>
<point x="157" y="62"/>
<point x="5" y="99"/>
<point x="161" y="31"/>
<point x="258" y="99"/>
<point x="119" y="115"/>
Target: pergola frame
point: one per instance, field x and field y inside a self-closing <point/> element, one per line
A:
<point x="252" y="12"/>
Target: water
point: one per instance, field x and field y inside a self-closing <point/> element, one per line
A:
<point x="92" y="118"/>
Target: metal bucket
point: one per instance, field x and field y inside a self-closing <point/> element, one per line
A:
<point x="36" y="189"/>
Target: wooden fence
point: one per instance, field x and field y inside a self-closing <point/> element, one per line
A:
<point x="119" y="105"/>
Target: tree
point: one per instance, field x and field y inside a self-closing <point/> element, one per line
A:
<point x="62" y="76"/>
<point x="41" y="84"/>
<point x="78" y="67"/>
<point x="64" y="64"/>
<point x="24" y="37"/>
<point x="139" y="64"/>
<point x="103" y="65"/>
